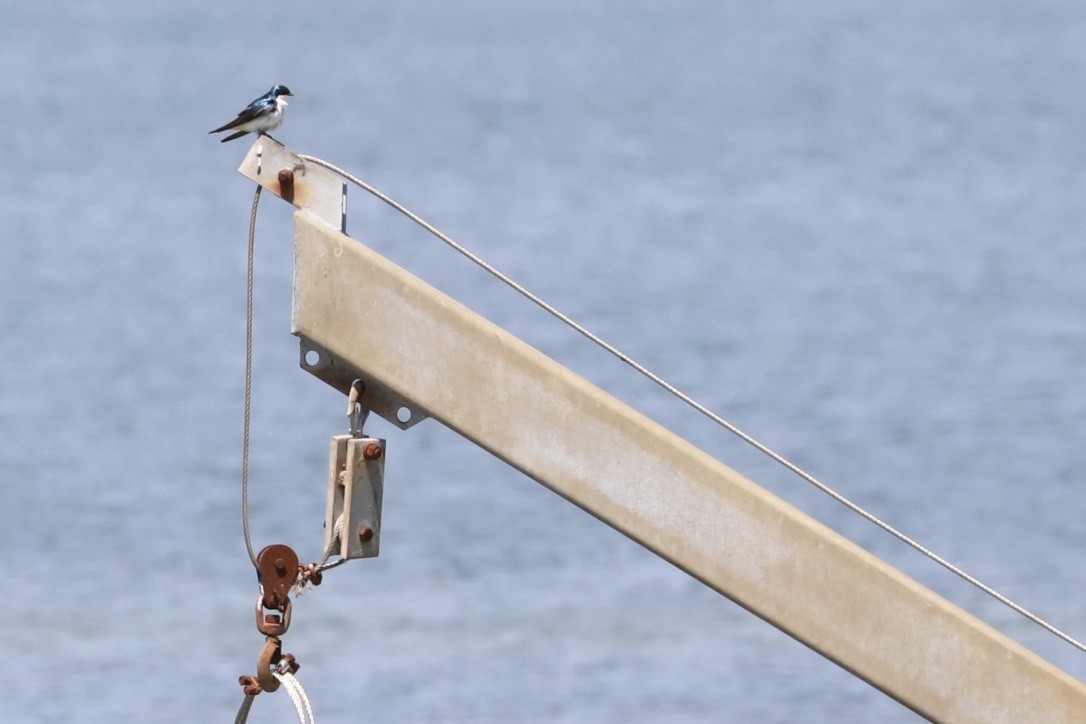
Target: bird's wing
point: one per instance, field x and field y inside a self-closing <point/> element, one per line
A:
<point x="256" y="109"/>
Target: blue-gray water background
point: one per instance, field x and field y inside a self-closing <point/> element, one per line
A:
<point x="855" y="229"/>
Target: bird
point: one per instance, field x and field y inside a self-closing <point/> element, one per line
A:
<point x="262" y="115"/>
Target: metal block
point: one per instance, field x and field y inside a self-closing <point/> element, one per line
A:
<point x="356" y="474"/>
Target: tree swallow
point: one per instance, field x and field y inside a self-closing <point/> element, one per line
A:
<point x="262" y="115"/>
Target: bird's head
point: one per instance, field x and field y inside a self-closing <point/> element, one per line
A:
<point x="280" y="90"/>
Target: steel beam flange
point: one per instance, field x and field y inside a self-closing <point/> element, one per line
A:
<point x="377" y="398"/>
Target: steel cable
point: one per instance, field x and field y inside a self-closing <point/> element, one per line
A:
<point x="248" y="378"/>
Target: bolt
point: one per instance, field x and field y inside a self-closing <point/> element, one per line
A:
<point x="272" y="619"/>
<point x="371" y="451"/>
<point x="250" y="686"/>
<point x="280" y="567"/>
<point x="286" y="185"/>
<point x="365" y="534"/>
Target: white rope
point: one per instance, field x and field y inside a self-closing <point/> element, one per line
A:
<point x="676" y="392"/>
<point x="294" y="690"/>
<point x="297" y="696"/>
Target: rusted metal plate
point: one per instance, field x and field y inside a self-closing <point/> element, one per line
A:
<point x="443" y="359"/>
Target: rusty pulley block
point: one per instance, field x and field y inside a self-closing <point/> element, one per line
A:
<point x="277" y="570"/>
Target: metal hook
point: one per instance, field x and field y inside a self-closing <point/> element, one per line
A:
<point x="356" y="411"/>
<point x="267" y="661"/>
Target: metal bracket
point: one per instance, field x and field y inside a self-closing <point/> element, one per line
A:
<point x="356" y="474"/>
<point x="336" y="373"/>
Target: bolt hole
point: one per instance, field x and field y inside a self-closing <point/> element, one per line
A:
<point x="403" y="415"/>
<point x="312" y="358"/>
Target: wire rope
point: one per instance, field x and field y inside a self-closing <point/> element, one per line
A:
<point x="243" y="711"/>
<point x="245" y="435"/>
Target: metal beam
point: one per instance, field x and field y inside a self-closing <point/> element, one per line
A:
<point x="358" y="314"/>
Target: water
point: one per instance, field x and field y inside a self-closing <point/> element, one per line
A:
<point x="853" y="229"/>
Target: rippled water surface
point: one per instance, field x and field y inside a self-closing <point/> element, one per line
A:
<point x="854" y="229"/>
